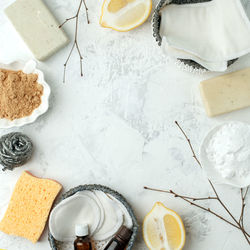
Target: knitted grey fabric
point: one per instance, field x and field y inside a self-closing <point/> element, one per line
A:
<point x="55" y="245"/>
<point x="156" y="21"/>
<point x="189" y="1"/>
<point x="246" y="5"/>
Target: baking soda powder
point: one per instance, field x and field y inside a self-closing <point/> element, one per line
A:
<point x="229" y="150"/>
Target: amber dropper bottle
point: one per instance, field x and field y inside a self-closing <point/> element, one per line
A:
<point x="120" y="240"/>
<point x="82" y="241"/>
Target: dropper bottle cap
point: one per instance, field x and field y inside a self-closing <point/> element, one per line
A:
<point x="124" y="234"/>
<point x="81" y="230"/>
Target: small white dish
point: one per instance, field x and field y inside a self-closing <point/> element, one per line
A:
<point x="209" y="168"/>
<point x="28" y="68"/>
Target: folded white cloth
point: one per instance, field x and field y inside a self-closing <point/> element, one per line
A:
<point x="209" y="33"/>
<point x="177" y="53"/>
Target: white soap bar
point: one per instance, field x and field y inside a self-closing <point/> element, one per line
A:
<point x="226" y="93"/>
<point x="37" y="26"/>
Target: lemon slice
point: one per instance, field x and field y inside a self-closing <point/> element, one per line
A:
<point x="163" y="229"/>
<point x="125" y="15"/>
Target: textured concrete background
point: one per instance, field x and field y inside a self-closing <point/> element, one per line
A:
<point x="115" y="126"/>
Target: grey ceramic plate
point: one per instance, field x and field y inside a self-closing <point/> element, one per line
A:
<point x="156" y="22"/>
<point x="55" y="245"/>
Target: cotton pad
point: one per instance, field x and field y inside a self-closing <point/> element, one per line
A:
<point x="78" y="209"/>
<point x="97" y="200"/>
<point x="126" y="216"/>
<point x="103" y="213"/>
<point x="206" y="33"/>
<point x="113" y="217"/>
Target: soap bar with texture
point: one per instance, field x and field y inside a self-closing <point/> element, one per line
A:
<point x="37" y="26"/>
<point x="226" y="93"/>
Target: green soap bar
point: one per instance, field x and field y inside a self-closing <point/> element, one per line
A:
<point x="37" y="26"/>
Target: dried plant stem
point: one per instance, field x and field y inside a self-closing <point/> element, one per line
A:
<point x="189" y="143"/>
<point x="75" y="43"/>
<point x="181" y="196"/>
<point x="199" y="163"/>
<point x="192" y="203"/>
<point x="212" y="185"/>
<point x="239" y="224"/>
<point x="243" y="199"/>
<point x="86" y="10"/>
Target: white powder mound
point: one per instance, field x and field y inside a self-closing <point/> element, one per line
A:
<point x="229" y="150"/>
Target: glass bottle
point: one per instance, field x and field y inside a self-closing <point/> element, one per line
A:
<point x="121" y="239"/>
<point x="82" y="241"/>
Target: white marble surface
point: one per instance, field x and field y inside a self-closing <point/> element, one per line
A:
<point x="115" y="126"/>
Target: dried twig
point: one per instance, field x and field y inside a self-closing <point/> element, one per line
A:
<point x="181" y="196"/>
<point x="189" y="143"/>
<point x="243" y="199"/>
<point x="211" y="184"/>
<point x="192" y="203"/>
<point x="75" y="43"/>
<point x="239" y="224"/>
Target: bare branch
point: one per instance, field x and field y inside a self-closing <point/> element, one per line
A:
<point x="75" y="43"/>
<point x="189" y="143"/>
<point x="243" y="205"/>
<point x="194" y="204"/>
<point x="191" y="200"/>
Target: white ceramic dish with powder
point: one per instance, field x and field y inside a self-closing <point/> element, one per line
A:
<point x="225" y="154"/>
<point x="28" y="68"/>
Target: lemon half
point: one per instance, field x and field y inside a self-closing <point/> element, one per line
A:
<point x="163" y="229"/>
<point x="125" y="15"/>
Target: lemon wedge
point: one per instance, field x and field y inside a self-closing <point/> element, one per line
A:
<point x="163" y="229"/>
<point x="125" y="15"/>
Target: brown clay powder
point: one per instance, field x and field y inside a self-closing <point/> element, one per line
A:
<point x="20" y="94"/>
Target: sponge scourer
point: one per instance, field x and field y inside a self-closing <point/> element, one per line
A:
<point x="29" y="207"/>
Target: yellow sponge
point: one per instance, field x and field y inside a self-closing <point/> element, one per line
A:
<point x="29" y="207"/>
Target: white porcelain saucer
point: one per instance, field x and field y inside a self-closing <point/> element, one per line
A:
<point x="28" y="68"/>
<point x="209" y="168"/>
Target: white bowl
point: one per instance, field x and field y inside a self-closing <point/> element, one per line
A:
<point x="28" y="68"/>
<point x="209" y="168"/>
